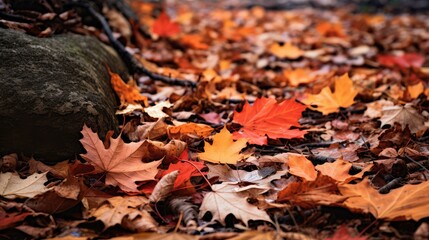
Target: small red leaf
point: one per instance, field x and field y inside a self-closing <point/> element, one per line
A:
<point x="164" y="27"/>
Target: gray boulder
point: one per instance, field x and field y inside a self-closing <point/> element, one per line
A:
<point x="50" y="87"/>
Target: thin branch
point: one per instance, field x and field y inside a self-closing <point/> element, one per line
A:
<point x="133" y="64"/>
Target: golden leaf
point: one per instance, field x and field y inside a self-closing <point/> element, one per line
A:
<point x="223" y="149"/>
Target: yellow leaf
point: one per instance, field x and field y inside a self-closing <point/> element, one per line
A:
<point x="415" y="90"/>
<point x="286" y="51"/>
<point x="328" y="102"/>
<point x="407" y="202"/>
<point x="223" y="149"/>
<point x="302" y="167"/>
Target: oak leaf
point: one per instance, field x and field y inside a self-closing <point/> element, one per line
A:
<point x="407" y="202"/>
<point x="267" y="117"/>
<point x="117" y="209"/>
<point x="328" y="102"/>
<point x="13" y="186"/>
<point x="164" y="27"/>
<point x="128" y="93"/>
<point x="122" y="162"/>
<point x="300" y="166"/>
<point x="225" y="200"/>
<point x="223" y="149"/>
<point x="404" y="115"/>
<point x="286" y="51"/>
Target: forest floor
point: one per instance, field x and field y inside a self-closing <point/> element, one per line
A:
<point x="269" y="124"/>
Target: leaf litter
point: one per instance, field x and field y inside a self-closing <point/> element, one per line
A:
<point x="301" y="125"/>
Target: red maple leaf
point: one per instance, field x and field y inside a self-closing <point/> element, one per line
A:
<point x="343" y="234"/>
<point x="187" y="169"/>
<point x="164" y="27"/>
<point x="267" y="117"/>
<point x="406" y="60"/>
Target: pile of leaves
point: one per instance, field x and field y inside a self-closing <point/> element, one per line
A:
<point x="300" y="124"/>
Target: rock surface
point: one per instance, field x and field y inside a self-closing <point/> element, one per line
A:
<point x="50" y="87"/>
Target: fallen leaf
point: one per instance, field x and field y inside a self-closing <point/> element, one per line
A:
<point x="328" y="102"/>
<point x="114" y="210"/>
<point x="223" y="200"/>
<point x="195" y="41"/>
<point x="404" y="115"/>
<point x="307" y="194"/>
<point x="128" y="93"/>
<point x="267" y="117"/>
<point x="342" y="233"/>
<point x="416" y="89"/>
<point x="338" y="170"/>
<point x="156" y="111"/>
<point x="374" y="109"/>
<point x="8" y="220"/>
<point x="195" y="129"/>
<point x="157" y="236"/>
<point x="164" y="187"/>
<point x="300" y="166"/>
<point x="13" y="186"/>
<point x="164" y="27"/>
<point x="405" y="60"/>
<point x="187" y="169"/>
<point x="299" y="76"/>
<point x="287" y="50"/>
<point x="404" y="203"/>
<point x="328" y="29"/>
<point x="121" y="162"/>
<point x="223" y="149"/>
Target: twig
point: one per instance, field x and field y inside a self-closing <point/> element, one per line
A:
<point x="133" y="64"/>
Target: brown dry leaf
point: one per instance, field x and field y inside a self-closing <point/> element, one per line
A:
<point x="328" y="102"/>
<point x="286" y="51"/>
<point x="223" y="149"/>
<point x="128" y="92"/>
<point x="122" y="162"/>
<point x="164" y="187"/>
<point x="195" y="129"/>
<point x="322" y="191"/>
<point x="116" y="209"/>
<point x="13" y="186"/>
<point x="224" y="200"/>
<point x="404" y="115"/>
<point x="374" y="109"/>
<point x="339" y="170"/>
<point x="300" y="166"/>
<point x="257" y="235"/>
<point x="157" y="236"/>
<point x="407" y="202"/>
<point x="299" y="76"/>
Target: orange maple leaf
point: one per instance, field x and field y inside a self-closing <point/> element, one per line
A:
<point x="128" y="93"/>
<point x="164" y="27"/>
<point x="328" y="102"/>
<point x="408" y="202"/>
<point x="286" y="51"/>
<point x="299" y="76"/>
<point x="267" y="117"/>
<point x="300" y="166"/>
<point x="307" y="194"/>
<point x="223" y="149"/>
<point x="121" y="162"/>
